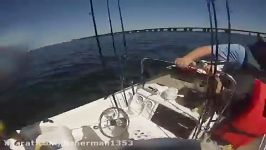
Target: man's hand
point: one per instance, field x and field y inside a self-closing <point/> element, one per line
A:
<point x="196" y="54"/>
<point x="184" y="62"/>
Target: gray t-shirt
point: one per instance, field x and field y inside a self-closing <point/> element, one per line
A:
<point x="239" y="56"/>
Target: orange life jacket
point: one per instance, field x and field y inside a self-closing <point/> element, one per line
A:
<point x="251" y="123"/>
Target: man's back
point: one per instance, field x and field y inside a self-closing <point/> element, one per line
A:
<point x="258" y="50"/>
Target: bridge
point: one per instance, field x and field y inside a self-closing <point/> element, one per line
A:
<point x="190" y="29"/>
<point x="198" y="29"/>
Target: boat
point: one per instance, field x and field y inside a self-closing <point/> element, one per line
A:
<point x="167" y="105"/>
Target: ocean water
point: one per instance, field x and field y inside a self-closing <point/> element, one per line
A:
<point x="53" y="79"/>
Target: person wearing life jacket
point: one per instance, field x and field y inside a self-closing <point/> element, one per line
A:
<point x="246" y="116"/>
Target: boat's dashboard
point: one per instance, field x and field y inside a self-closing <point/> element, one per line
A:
<point x="151" y="103"/>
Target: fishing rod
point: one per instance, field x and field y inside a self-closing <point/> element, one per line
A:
<point x="124" y="58"/>
<point x="121" y="65"/>
<point x="211" y="99"/>
<point x="95" y="29"/>
<point x="216" y="35"/>
<point x="229" y="29"/>
<point x="196" y="132"/>
<point x="115" y="101"/>
<point x="123" y="29"/>
<point x="210" y="93"/>
<point x="212" y="40"/>
<point x="111" y="27"/>
<point x="227" y="63"/>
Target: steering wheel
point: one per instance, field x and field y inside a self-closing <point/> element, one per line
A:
<point x="113" y="122"/>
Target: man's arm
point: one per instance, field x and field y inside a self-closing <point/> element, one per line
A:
<point x="196" y="54"/>
<point x="199" y="53"/>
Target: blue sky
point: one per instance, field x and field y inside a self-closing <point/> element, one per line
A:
<point x="36" y="23"/>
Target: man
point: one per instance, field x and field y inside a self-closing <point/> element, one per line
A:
<point x="245" y="64"/>
<point x="240" y="57"/>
